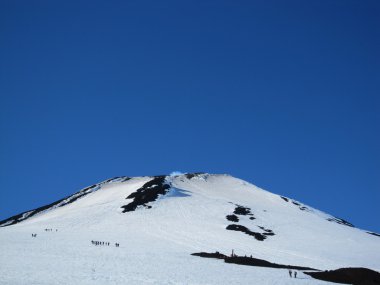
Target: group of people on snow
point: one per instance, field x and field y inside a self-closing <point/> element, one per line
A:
<point x="294" y="273"/>
<point x="94" y="242"/>
<point x="50" y="230"/>
<point x="46" y="230"/>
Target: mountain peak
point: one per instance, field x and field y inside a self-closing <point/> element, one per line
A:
<point x="169" y="217"/>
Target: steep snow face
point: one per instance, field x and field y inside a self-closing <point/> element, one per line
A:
<point x="159" y="221"/>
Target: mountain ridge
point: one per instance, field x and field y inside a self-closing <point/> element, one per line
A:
<point x="119" y="179"/>
<point x="159" y="221"/>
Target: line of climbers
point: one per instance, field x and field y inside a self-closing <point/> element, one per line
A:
<point x="94" y="242"/>
<point x="46" y="230"/>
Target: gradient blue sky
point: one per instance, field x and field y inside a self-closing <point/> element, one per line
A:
<point x="284" y="94"/>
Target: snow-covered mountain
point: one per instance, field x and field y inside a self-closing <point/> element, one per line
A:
<point x="160" y="221"/>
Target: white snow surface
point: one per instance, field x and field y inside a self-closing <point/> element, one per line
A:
<point x="156" y="243"/>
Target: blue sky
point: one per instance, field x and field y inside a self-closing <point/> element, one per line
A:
<point x="284" y="94"/>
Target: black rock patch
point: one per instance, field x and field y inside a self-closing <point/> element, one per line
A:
<point x="244" y="211"/>
<point x="192" y="175"/>
<point x="340" y="221"/>
<point x="267" y="232"/>
<point x="216" y="254"/>
<point x="299" y="205"/>
<point x="245" y="230"/>
<point x="232" y="218"/>
<point x="284" y="198"/>
<point x="251" y="261"/>
<point x="374" y="234"/>
<point x="115" y="179"/>
<point x="362" y="276"/>
<point x="149" y="192"/>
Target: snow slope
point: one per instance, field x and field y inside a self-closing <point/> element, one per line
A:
<point x="157" y="237"/>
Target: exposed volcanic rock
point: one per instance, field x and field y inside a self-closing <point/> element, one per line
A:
<point x="251" y="261"/>
<point x="340" y="221"/>
<point x="374" y="234"/>
<point x="244" y="211"/>
<point x="267" y="232"/>
<point x="149" y="192"/>
<point x="192" y="175"/>
<point x="245" y="260"/>
<point x="210" y="255"/>
<point x="356" y="276"/>
<point x="232" y="218"/>
<point x="299" y="205"/>
<point x="245" y="230"/>
<point x="284" y="198"/>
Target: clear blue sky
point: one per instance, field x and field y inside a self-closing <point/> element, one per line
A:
<point x="284" y="94"/>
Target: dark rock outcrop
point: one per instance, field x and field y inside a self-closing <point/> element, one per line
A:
<point x="356" y="276"/>
<point x="149" y="192"/>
